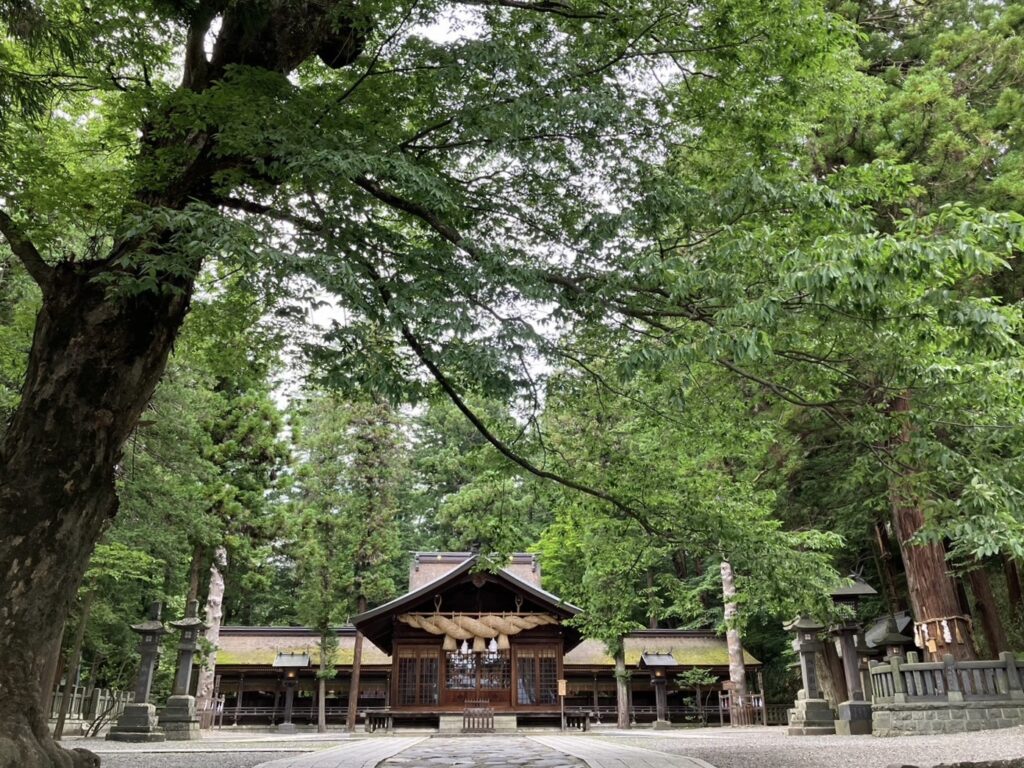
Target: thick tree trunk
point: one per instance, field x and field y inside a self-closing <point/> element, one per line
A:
<point x="193" y="574"/>
<point x="357" y="663"/>
<point x="652" y="615"/>
<point x="984" y="605"/>
<point x="831" y="677"/>
<point x="1013" y="587"/>
<point x="940" y="625"/>
<point x="737" y="668"/>
<point x="94" y="363"/>
<point x="886" y="571"/>
<point x="74" y="659"/>
<point x="622" y="697"/>
<point x="98" y="351"/>
<point x="214" y="614"/>
<point x="321" y="697"/>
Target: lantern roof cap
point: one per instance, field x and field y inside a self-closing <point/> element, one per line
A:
<point x="803" y="623"/>
<point x="291" y="660"/>
<point x="854" y="590"/>
<point x="654" y="659"/>
<point x="152" y="624"/>
<point x="189" y="622"/>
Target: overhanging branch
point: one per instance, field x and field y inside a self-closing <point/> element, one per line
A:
<point x="554" y="7"/>
<point x="26" y="252"/>
<point x="419" y="350"/>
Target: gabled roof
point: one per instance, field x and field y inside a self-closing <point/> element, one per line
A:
<point x="377" y="623"/>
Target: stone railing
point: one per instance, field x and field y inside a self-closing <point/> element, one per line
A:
<point x="945" y="696"/>
<point x="947" y="680"/>
<point x="87" y="706"/>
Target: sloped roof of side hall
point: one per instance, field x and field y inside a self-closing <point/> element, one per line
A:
<point x="259" y="646"/>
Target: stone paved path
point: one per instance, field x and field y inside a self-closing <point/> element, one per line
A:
<point x="365" y="753"/>
<point x="481" y="752"/>
<point x="601" y="754"/>
<point x="487" y="752"/>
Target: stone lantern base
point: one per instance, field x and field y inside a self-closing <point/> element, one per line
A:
<point x="137" y="723"/>
<point x="179" y="719"/>
<point x="854" y="719"/>
<point x="811" y="717"/>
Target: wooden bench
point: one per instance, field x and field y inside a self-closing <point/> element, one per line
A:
<point x="376" y="720"/>
<point x="478" y="717"/>
<point x="578" y="720"/>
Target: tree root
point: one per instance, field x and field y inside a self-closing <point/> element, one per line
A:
<point x="24" y="750"/>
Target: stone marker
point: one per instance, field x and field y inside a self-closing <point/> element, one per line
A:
<point x="179" y="718"/>
<point x="138" y="721"/>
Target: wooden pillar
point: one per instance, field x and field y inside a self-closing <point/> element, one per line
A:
<point x="660" y="699"/>
<point x="597" y="704"/>
<point x="277" y="701"/>
<point x="238" y="702"/>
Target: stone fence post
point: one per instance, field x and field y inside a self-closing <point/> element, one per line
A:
<point x="953" y="690"/>
<point x="899" y="688"/>
<point x="1012" y="675"/>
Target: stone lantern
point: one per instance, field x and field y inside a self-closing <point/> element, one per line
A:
<point x="179" y="719"/>
<point x="290" y="663"/>
<point x="659" y="664"/>
<point x="138" y="721"/>
<point x="811" y="714"/>
<point x="854" y="713"/>
<point x="893" y="641"/>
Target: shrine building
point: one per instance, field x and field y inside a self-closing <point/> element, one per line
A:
<point x="457" y="637"/>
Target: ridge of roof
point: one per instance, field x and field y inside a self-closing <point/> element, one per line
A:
<point x="463" y="568"/>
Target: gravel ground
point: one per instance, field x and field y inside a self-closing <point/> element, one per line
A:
<point x="772" y="748"/>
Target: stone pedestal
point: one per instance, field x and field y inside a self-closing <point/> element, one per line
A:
<point x="811" y="717"/>
<point x="137" y="723"/>
<point x="286" y="728"/>
<point x="854" y="719"/>
<point x="179" y="719"/>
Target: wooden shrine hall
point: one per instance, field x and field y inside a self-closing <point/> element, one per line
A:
<point x="457" y="638"/>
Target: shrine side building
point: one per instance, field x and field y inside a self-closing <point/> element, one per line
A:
<point x="457" y="636"/>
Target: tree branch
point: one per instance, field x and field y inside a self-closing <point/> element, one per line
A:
<point x="26" y="252"/>
<point x="555" y="7"/>
<point x="452" y="393"/>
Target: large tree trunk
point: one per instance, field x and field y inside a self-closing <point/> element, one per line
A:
<point x="357" y="663"/>
<point x="940" y="624"/>
<point x="93" y="366"/>
<point x="739" y="714"/>
<point x="321" y="696"/>
<point x="737" y="668"/>
<point x="622" y="697"/>
<point x="214" y="614"/>
<point x="99" y="348"/>
<point x="984" y="605"/>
